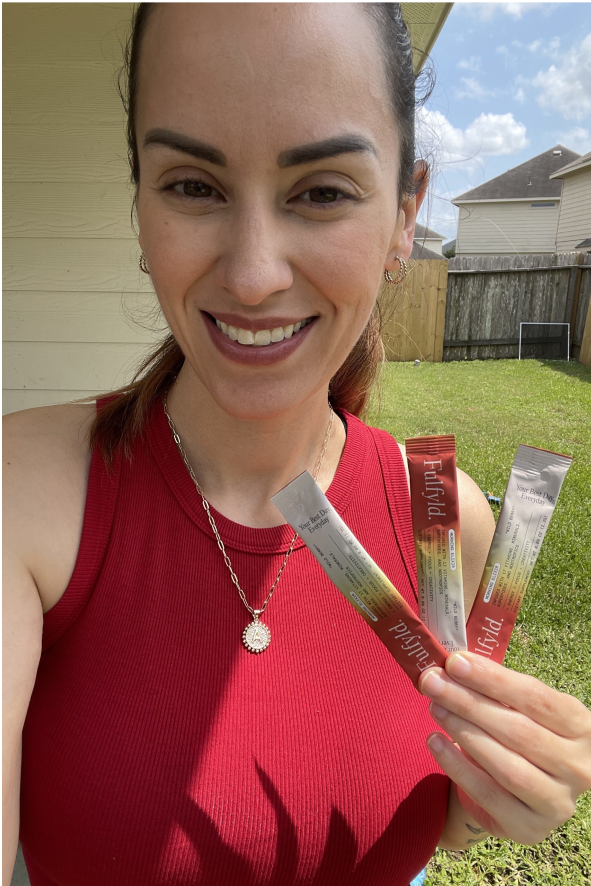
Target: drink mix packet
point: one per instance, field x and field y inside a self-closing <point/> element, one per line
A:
<point x="534" y="484"/>
<point x="436" y="530"/>
<point x="358" y="577"/>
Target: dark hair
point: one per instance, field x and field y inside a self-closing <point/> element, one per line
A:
<point x="123" y="418"/>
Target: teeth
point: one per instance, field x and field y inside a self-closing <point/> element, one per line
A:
<point x="245" y="337"/>
<point x="261" y="337"/>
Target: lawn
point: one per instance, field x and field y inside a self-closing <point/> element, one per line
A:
<point x="492" y="406"/>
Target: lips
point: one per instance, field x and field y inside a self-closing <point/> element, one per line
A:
<point x="252" y="343"/>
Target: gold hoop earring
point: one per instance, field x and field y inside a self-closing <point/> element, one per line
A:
<point x="402" y="272"/>
<point x="143" y="264"/>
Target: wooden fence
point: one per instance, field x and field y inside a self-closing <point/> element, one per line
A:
<point x="488" y="297"/>
<point x="471" y="308"/>
<point x="415" y="313"/>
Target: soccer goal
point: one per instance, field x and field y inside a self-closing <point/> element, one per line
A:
<point x="544" y="341"/>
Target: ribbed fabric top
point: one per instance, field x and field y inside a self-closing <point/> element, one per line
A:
<point x="157" y="751"/>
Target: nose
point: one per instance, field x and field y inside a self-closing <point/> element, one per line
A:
<point x="253" y="265"/>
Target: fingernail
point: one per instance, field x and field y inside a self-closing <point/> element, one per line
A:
<point x="435" y="743"/>
<point x="458" y="666"/>
<point x="438" y="711"/>
<point x="432" y="684"/>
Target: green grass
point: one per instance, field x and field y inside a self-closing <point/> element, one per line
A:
<point x="492" y="406"/>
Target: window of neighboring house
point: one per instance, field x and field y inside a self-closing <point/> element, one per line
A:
<point x="542" y="205"/>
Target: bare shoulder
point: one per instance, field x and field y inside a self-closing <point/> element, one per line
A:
<point x="45" y="475"/>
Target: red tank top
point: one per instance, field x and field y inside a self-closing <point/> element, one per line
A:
<point x="157" y="751"/>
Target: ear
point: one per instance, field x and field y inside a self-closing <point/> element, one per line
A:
<point x="402" y="241"/>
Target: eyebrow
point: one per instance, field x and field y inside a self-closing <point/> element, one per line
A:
<point x="330" y="147"/>
<point x="176" y="141"/>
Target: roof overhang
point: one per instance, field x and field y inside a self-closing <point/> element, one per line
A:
<point x="424" y="21"/>
<point x="568" y="170"/>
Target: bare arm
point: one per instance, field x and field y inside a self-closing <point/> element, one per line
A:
<point x="22" y="626"/>
<point x="45" y="474"/>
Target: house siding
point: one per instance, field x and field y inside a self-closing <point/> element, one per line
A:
<point x="574" y="224"/>
<point x="428" y="243"/>
<point x="71" y="278"/>
<point x="507" y="228"/>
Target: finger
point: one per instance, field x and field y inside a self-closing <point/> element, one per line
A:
<point x="557" y="711"/>
<point x="563" y="758"/>
<point x="550" y="798"/>
<point x="495" y="808"/>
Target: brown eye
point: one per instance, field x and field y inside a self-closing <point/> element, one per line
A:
<point x="323" y="195"/>
<point x="197" y="189"/>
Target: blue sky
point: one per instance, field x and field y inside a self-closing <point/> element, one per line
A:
<point x="512" y="80"/>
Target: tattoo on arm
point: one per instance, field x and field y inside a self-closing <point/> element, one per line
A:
<point x="475" y="831"/>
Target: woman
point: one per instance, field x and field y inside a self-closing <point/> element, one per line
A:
<point x="273" y="152"/>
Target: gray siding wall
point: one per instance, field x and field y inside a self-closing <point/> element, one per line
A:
<point x="574" y="224"/>
<point x="507" y="228"/>
<point x="70" y="269"/>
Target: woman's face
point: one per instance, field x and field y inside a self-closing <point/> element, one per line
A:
<point x="268" y="191"/>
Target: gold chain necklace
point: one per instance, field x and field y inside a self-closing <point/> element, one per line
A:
<point x="256" y="635"/>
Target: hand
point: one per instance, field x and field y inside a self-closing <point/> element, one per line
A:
<point x="522" y="752"/>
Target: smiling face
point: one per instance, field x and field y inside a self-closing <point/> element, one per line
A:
<point x="268" y="191"/>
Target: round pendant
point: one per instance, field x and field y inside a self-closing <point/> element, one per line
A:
<point x="256" y="636"/>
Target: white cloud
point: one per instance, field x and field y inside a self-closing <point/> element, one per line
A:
<point x="577" y="139"/>
<point x="520" y="96"/>
<point x="486" y="11"/>
<point x="487" y="135"/>
<point x="551" y="48"/>
<point x="472" y="89"/>
<point x="474" y="63"/>
<point x="567" y="89"/>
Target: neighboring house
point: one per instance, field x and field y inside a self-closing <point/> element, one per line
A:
<point x="574" y="222"/>
<point x="516" y="212"/>
<point x="420" y="252"/>
<point x="429" y="239"/>
<point x="447" y="247"/>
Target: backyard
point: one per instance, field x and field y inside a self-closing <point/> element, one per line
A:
<point x="492" y="406"/>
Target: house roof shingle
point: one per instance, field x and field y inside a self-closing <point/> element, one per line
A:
<point x="585" y="160"/>
<point x="514" y="184"/>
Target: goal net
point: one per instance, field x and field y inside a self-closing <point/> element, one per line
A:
<point x="544" y="341"/>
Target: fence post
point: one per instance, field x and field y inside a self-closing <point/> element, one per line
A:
<point x="576" y="292"/>
<point x="585" y="353"/>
